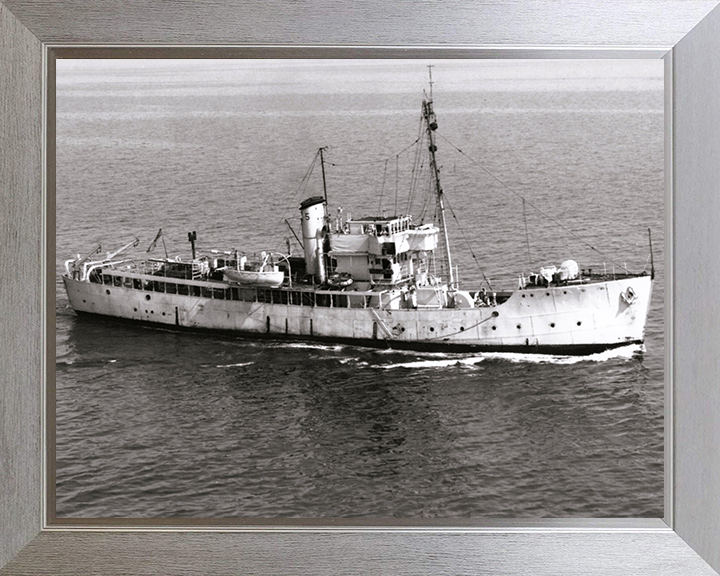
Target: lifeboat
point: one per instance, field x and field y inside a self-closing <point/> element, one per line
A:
<point x="266" y="278"/>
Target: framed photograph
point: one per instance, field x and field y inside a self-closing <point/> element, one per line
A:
<point x="216" y="172"/>
<point x="122" y="112"/>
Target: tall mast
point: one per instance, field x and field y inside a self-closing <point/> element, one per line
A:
<point x="322" y="166"/>
<point x="431" y="126"/>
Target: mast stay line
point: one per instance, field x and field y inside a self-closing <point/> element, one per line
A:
<point x="554" y="220"/>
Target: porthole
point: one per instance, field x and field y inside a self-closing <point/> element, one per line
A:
<point x="147" y="296"/>
<point x="152" y="311"/>
<point x="494" y="327"/>
<point x="547" y="293"/>
<point x="532" y="295"/>
<point x="163" y="313"/>
<point x="84" y="301"/>
<point x="523" y="295"/>
<point x="135" y="309"/>
<point x="579" y="322"/>
<point x="564" y="291"/>
<point x="432" y="329"/>
<point x="402" y="329"/>
<point x="519" y="326"/>
<point x="462" y="328"/>
<point x="107" y="291"/>
<point x="552" y="324"/>
<point x="495" y="313"/>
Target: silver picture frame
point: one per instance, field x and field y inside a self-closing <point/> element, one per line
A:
<point x="686" y="34"/>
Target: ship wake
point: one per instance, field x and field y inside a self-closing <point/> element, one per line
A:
<point x="455" y="360"/>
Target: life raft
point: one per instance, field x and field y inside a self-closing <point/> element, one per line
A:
<point x="340" y="280"/>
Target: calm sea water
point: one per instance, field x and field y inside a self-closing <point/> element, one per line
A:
<point x="156" y="423"/>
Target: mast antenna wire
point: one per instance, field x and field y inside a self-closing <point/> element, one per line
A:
<point x="430" y="67"/>
<point x="417" y="166"/>
<point x="527" y="235"/>
<point x="555" y="221"/>
<point x="341" y="164"/>
<point x="382" y="188"/>
<point x="302" y="186"/>
<point x="293" y="233"/>
<point x="322" y="166"/>
<point x="397" y="179"/>
<point x="467" y="242"/>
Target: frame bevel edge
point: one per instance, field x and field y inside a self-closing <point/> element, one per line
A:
<point x="40" y="536"/>
<point x="695" y="176"/>
<point x="20" y="226"/>
<point x="592" y="554"/>
<point x="669" y="501"/>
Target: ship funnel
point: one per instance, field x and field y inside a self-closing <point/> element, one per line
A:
<point x="312" y="214"/>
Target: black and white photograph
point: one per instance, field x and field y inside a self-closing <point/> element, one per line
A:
<point x="359" y="288"/>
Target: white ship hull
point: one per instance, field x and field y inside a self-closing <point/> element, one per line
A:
<point x="572" y="319"/>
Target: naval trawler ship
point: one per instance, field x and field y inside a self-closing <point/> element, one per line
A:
<point x="369" y="281"/>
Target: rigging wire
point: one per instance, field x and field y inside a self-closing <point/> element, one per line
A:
<point x="527" y="235"/>
<point x="647" y="261"/>
<point x="417" y="166"/>
<point x="428" y="202"/>
<point x="462" y="232"/>
<point x="560" y="224"/>
<point x="397" y="179"/>
<point x="372" y="161"/>
<point x="382" y="189"/>
<point x="301" y="188"/>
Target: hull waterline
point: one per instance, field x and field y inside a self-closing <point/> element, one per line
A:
<point x="580" y="319"/>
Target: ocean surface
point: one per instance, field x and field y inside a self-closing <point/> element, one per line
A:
<point x="157" y="423"/>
